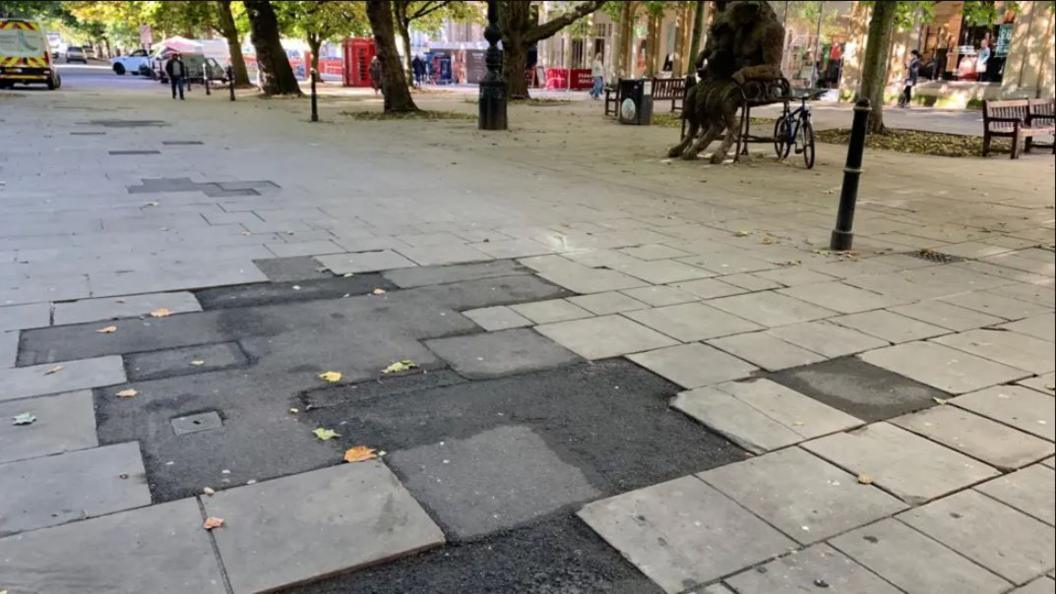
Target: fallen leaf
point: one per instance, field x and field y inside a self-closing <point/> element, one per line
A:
<point x="197" y="362"/>
<point x="325" y="434"/>
<point x="209" y="491"/>
<point x="294" y="411"/>
<point x="743" y="233"/>
<point x="107" y="330"/>
<point x="152" y="204"/>
<point x="330" y="376"/>
<point x="161" y="312"/>
<point x="55" y="369"/>
<point x="939" y="400"/>
<point x="865" y="479"/>
<point x="359" y="454"/>
<point x="213" y="522"/>
<point x="399" y="366"/>
<point x="129" y="393"/>
<point x="378" y="291"/>
<point x="24" y="419"/>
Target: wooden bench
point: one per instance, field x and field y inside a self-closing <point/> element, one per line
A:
<point x="664" y="89"/>
<point x="1018" y="119"/>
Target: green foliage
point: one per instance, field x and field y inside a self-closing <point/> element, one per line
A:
<point x="430" y="15"/>
<point x="978" y="13"/>
<point x="911" y="13"/>
<point x="310" y="20"/>
<point x="29" y="9"/>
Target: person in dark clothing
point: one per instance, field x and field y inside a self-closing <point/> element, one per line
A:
<point x="418" y="66"/>
<point x="912" y="73"/>
<point x="375" y="74"/>
<point x="176" y="70"/>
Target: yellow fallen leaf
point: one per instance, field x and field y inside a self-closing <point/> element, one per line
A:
<point x="55" y="369"/>
<point x="129" y="393"/>
<point x="330" y="376"/>
<point x="161" y="312"/>
<point x="743" y="233"/>
<point x="865" y="479"/>
<point x="359" y="454"/>
<point x="398" y="366"/>
<point x="939" y="400"/>
<point x="213" y="522"/>
<point x="325" y="434"/>
<point x="107" y="330"/>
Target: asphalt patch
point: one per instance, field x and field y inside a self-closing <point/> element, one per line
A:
<point x="859" y="389"/>
<point x="184" y="361"/>
<point x="329" y="287"/>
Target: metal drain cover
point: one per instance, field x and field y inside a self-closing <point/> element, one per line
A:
<point x="196" y="422"/>
<point x="933" y="256"/>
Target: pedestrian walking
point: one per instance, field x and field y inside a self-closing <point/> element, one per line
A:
<point x="176" y="70"/>
<point x="597" y="73"/>
<point x="912" y="73"/>
<point x="375" y="74"/>
<point x="418" y="68"/>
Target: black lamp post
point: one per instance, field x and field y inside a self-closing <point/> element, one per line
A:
<point x="493" y="86"/>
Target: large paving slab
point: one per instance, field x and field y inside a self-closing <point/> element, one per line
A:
<point x="438" y="275"/>
<point x="839" y="297"/>
<point x="906" y="465"/>
<point x="1031" y="491"/>
<point x="604" y="336"/>
<point x="946" y="315"/>
<point x="865" y="391"/>
<point x="107" y="308"/>
<point x="693" y="365"/>
<point x="66" y="377"/>
<point x="827" y="339"/>
<point x="802" y="495"/>
<point x="1045" y="384"/>
<point x="494" y="354"/>
<point x="1042" y="326"/>
<point x="682" y="533"/>
<point x="498" y="317"/>
<point x="771" y="309"/>
<point x="64" y="422"/>
<point x="1010" y="348"/>
<point x="1006" y="541"/>
<point x="998" y="445"/>
<point x="8" y="348"/>
<point x="551" y="310"/>
<point x="1022" y="408"/>
<point x="305" y="526"/>
<point x="942" y="367"/>
<point x="890" y="326"/>
<point x="72" y="486"/>
<point x="914" y="562"/>
<point x="160" y="549"/>
<point x="364" y="262"/>
<point x="495" y="480"/>
<point x="1043" y="585"/>
<point x="692" y="321"/>
<point x="996" y="305"/>
<point x="609" y="303"/>
<point x="31" y="315"/>
<point x="766" y="351"/>
<point x="816" y="568"/>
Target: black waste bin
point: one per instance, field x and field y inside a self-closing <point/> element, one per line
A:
<point x="636" y="101"/>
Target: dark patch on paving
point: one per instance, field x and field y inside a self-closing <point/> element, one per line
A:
<point x="561" y="555"/>
<point x="118" y="123"/>
<point x="329" y="287"/>
<point x="388" y="386"/>
<point x="295" y="268"/>
<point x="435" y="275"/>
<point x="211" y="189"/>
<point x="135" y="152"/>
<point x="87" y="133"/>
<point x="184" y="361"/>
<point x="857" y="388"/>
<point x="181" y="142"/>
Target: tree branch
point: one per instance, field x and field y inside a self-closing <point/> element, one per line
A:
<point x="551" y="27"/>
<point x="428" y="8"/>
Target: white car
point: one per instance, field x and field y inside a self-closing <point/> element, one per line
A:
<point x="135" y="63"/>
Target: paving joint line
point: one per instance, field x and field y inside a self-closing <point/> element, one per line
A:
<point x="215" y="547"/>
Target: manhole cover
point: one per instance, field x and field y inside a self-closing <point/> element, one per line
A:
<point x="135" y="152"/>
<point x="196" y="422"/>
<point x="933" y="256"/>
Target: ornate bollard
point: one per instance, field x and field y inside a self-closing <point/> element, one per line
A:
<point x="230" y="71"/>
<point x="315" y="105"/>
<point x="842" y="237"/>
<point x="492" y="102"/>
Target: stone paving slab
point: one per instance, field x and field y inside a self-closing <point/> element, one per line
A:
<point x="1022" y="408"/>
<point x="494" y="480"/>
<point x="998" y="445"/>
<point x="1012" y="349"/>
<point x="707" y="288"/>
<point x="827" y="339"/>
<point x="506" y="352"/>
<point x="607" y="303"/>
<point x="71" y="486"/>
<point x="914" y="562"/>
<point x="945" y="368"/>
<point x="1045" y="384"/>
<point x="72" y="375"/>
<point x="364" y="261"/>
<point x="996" y="305"/>
<point x="64" y="422"/>
<point x="442" y="255"/>
<point x="499" y="317"/>
<point x="910" y="467"/>
<point x="802" y="415"/>
<point x="766" y="351"/>
<point x="604" y="336"/>
<point x="946" y="315"/>
<point x="816" y="568"/>
<point x="1031" y="491"/>
<point x="994" y="535"/>
<point x="160" y="549"/>
<point x="751" y="282"/>
<point x="735" y="420"/>
<point x="8" y="348"/>
<point x="584" y="280"/>
<point x="770" y="309"/>
<point x="305" y="526"/>
<point x="17" y="317"/>
<point x="1042" y="585"/>
<point x="839" y="297"/>
<point x="693" y="365"/>
<point x="683" y="532"/>
<point x="1043" y="327"/>
<point x="660" y="295"/>
<point x="107" y="308"/>
<point x="692" y="321"/>
<point x="890" y="326"/>
<point x="800" y="494"/>
<point x="552" y="310"/>
<point x="438" y="275"/>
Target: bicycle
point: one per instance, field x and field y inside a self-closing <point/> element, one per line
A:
<point x="795" y="131"/>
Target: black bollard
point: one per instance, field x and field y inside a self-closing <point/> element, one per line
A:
<point x="315" y="105"/>
<point x="842" y="237"/>
<point x="493" y="89"/>
<point x="231" y="81"/>
<point x="205" y="75"/>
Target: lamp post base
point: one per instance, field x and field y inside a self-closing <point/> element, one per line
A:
<point x="841" y="241"/>
<point x="492" y="105"/>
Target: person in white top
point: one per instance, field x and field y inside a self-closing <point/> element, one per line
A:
<point x="597" y="72"/>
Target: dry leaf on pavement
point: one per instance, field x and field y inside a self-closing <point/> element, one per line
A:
<point x="107" y="330"/>
<point x="865" y="479"/>
<point x="197" y="362"/>
<point x="209" y="491"/>
<point x="213" y="522"/>
<point x="129" y="393"/>
<point x="161" y="312"/>
<point x="398" y="366"/>
<point x="325" y="434"/>
<point x="359" y="454"/>
<point x="378" y="291"/>
<point x="330" y="376"/>
<point x="29" y="419"/>
<point x="55" y="369"/>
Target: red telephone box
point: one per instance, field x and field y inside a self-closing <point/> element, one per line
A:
<point x="358" y="53"/>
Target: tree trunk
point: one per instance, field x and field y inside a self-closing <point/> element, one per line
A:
<point x="405" y="37"/>
<point x="514" y="65"/>
<point x="875" y="62"/>
<point x="625" y="39"/>
<point x="652" y="45"/>
<point x="276" y="76"/>
<point x="681" y="24"/>
<point x="234" y="44"/>
<point x="696" y="36"/>
<point x="393" y="81"/>
<point x="314" y="43"/>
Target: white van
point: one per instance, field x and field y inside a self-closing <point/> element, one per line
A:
<point x="25" y="55"/>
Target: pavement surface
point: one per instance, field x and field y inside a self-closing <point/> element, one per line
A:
<point x="582" y="367"/>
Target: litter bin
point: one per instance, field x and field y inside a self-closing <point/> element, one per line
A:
<point x="636" y="101"/>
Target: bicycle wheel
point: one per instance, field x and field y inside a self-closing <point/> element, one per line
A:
<point x="781" y="137"/>
<point x="807" y="133"/>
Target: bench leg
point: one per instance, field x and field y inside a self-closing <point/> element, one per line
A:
<point x="1015" y="146"/>
<point x="1027" y="144"/>
<point x="986" y="139"/>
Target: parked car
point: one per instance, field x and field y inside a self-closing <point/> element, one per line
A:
<point x="25" y="57"/>
<point x="197" y="65"/>
<point x="76" y="53"/>
<point x="134" y="63"/>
